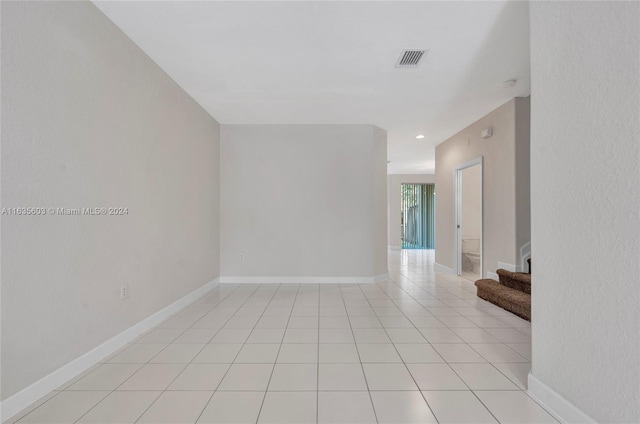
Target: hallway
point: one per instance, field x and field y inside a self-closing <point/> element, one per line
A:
<point x="421" y="348"/>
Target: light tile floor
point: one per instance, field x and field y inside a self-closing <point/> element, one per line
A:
<point x="421" y="348"/>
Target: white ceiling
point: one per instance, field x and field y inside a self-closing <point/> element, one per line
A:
<point x="332" y="62"/>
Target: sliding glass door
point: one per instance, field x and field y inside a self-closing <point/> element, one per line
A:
<point x="418" y="212"/>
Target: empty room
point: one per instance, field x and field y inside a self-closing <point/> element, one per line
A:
<point x="320" y="212"/>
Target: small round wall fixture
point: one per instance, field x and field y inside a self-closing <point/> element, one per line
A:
<point x="509" y="83"/>
<point x="420" y="136"/>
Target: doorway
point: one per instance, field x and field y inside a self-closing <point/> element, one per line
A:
<point x="468" y="220"/>
<point x="417" y="220"/>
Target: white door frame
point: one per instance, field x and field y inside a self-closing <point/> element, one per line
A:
<point x="457" y="196"/>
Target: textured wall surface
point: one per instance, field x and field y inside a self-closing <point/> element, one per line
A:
<point x="585" y="169"/>
<point x="88" y="120"/>
<point x="499" y="179"/>
<point x="394" y="181"/>
<point x="303" y="200"/>
<point x="523" y="171"/>
<point x="379" y="205"/>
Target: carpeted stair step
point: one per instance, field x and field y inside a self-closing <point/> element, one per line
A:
<point x="516" y="280"/>
<point x="513" y="300"/>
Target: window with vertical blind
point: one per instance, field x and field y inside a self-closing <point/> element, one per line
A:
<point x="418" y="213"/>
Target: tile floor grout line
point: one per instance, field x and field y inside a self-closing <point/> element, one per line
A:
<point x="526" y="361"/>
<point x="146" y="363"/>
<point x="186" y="365"/>
<point x="475" y="395"/>
<point x="364" y="375"/>
<point x="456" y="373"/>
<point x="444" y="288"/>
<point x="185" y="330"/>
<point x="542" y="406"/>
<point x="11" y="420"/>
<point x="212" y="308"/>
<point x="323" y="390"/>
<point x="266" y="390"/>
<point x="189" y="327"/>
<point x="318" y="365"/>
<point x="416" y="300"/>
<point x="408" y="298"/>
<point x="400" y="356"/>
<point x="242" y="344"/>
<point x="506" y="376"/>
<point x="453" y="329"/>
<point x="239" y="350"/>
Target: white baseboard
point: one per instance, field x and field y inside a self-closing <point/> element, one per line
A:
<point x="19" y="401"/>
<point x="555" y="403"/>
<point x="381" y="278"/>
<point x="509" y="267"/>
<point x="525" y="253"/>
<point x="443" y="269"/>
<point x="493" y="276"/>
<point x="304" y="280"/>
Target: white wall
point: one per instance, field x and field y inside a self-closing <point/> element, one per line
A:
<point x="504" y="229"/>
<point x="394" y="181"/>
<point x="88" y="120"/>
<point x="379" y="164"/>
<point x="585" y="169"/>
<point x="471" y="208"/>
<point x="303" y="201"/>
<point x="523" y="173"/>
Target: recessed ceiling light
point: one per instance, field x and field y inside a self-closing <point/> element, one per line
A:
<point x="420" y="136"/>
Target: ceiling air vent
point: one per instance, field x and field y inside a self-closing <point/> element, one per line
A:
<point x="410" y="58"/>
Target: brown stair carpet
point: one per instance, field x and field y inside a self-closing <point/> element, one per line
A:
<point x="510" y="299"/>
<point x="516" y="280"/>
